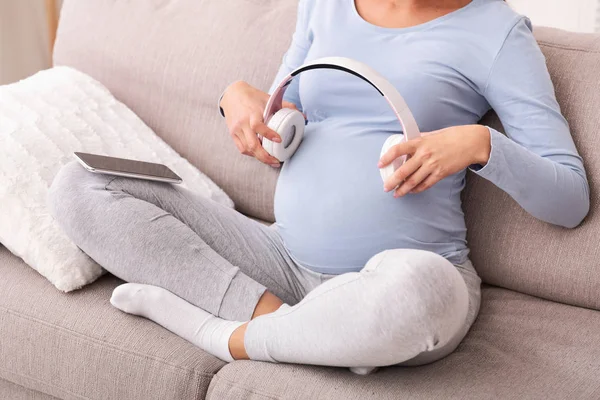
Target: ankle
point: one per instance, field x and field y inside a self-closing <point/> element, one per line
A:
<point x="236" y="343"/>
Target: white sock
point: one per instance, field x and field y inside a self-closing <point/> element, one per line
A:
<point x="192" y="323"/>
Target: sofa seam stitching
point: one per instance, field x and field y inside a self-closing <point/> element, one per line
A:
<point x="246" y="388"/>
<point x="566" y="47"/>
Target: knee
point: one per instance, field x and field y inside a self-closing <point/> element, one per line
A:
<point x="419" y="289"/>
<point x="70" y="191"/>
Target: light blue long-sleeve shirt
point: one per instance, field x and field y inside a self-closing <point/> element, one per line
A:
<point x="330" y="206"/>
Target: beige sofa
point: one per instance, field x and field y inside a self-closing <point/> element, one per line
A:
<point x="538" y="332"/>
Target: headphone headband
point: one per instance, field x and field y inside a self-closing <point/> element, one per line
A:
<point x="363" y="71"/>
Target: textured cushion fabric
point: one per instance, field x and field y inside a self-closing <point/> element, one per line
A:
<point x="169" y="61"/>
<point x="520" y="347"/>
<point x="43" y="120"/>
<point x="76" y="345"/>
<point x="11" y="391"/>
<point x="514" y="250"/>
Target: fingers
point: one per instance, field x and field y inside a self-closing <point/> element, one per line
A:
<point x="407" y="169"/>
<point x="418" y="177"/>
<point x="287" y="104"/>
<point x="245" y="138"/>
<point x="237" y="134"/>
<point x="244" y="118"/>
<point x="404" y="148"/>
<point x="254" y="146"/>
<point x="262" y="129"/>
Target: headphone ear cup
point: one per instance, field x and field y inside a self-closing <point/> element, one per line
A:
<point x="389" y="170"/>
<point x="289" y="124"/>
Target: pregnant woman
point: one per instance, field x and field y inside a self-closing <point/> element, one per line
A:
<point x="354" y="273"/>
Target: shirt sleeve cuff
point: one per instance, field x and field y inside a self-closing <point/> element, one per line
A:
<point x="490" y="168"/>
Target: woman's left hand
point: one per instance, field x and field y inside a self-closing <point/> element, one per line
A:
<point x="435" y="156"/>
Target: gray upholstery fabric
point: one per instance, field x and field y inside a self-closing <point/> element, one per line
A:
<point x="76" y="345"/>
<point x="514" y="250"/>
<point x="11" y="391"/>
<point x="520" y="347"/>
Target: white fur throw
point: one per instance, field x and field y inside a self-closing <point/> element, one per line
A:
<point x="43" y="120"/>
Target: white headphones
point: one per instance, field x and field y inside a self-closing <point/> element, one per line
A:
<point x="289" y="124"/>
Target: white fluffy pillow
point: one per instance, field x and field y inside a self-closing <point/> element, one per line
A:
<point x="43" y="120"/>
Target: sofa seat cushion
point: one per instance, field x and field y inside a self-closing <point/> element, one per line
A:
<point x="76" y="345"/>
<point x="519" y="347"/>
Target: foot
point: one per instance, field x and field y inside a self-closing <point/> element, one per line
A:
<point x="132" y="298"/>
<point x="192" y="323"/>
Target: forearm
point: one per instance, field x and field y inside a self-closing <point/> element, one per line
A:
<point x="553" y="188"/>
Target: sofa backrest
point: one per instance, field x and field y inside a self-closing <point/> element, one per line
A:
<point x="169" y="61"/>
<point x="512" y="249"/>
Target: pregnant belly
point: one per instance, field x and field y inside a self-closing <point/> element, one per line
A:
<point x="332" y="212"/>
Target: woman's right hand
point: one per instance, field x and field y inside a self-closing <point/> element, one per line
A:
<point x="243" y="106"/>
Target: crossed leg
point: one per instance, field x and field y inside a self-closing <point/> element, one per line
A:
<point x="210" y="260"/>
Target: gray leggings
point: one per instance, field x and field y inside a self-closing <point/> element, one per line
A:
<point x="406" y="307"/>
